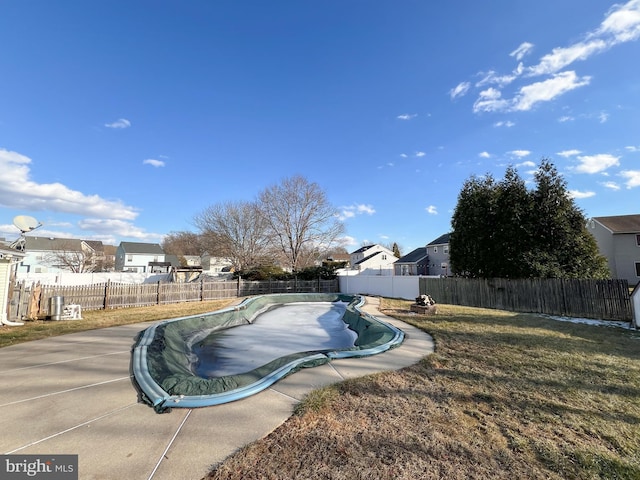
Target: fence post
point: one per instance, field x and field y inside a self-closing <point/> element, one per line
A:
<point x="202" y="289"/>
<point x="158" y="293"/>
<point x="238" y="287"/>
<point x="106" y="294"/>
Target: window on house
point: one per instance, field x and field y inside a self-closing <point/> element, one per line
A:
<point x="638" y="240"/>
<point x="445" y="249"/>
<point x="435" y="249"/>
<point x="637" y="269"/>
<point x="155" y="258"/>
<point x="384" y="257"/>
<point x="129" y="258"/>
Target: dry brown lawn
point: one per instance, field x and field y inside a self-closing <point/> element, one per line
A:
<point x="505" y="396"/>
<point x="37" y="329"/>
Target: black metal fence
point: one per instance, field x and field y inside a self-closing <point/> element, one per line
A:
<point x="596" y="299"/>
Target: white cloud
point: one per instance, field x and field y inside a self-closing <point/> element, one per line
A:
<point x="404" y="155"/>
<point x="579" y="194"/>
<point x="407" y="116"/>
<point x="492" y="78"/>
<point x="117" y="227"/>
<point x="603" y="117"/>
<point x="633" y="178"/>
<point x="547" y="90"/>
<point x="432" y="210"/>
<point x="347" y="241"/>
<point x="632" y="148"/>
<point x="527" y="164"/>
<point x="621" y="24"/>
<point x="484" y="155"/>
<point x="17" y="190"/>
<point x="563" y="56"/>
<point x="353" y="210"/>
<point x="460" y="90"/>
<point x="153" y="163"/>
<point x="368" y="209"/>
<point x="569" y="153"/>
<point x="596" y="163"/>
<point x="490" y="100"/>
<point x="611" y="185"/>
<point x="120" y="123"/>
<point x="420" y="154"/>
<point x="522" y="50"/>
<point x="566" y="118"/>
<point x="507" y="124"/>
<point x="519" y="153"/>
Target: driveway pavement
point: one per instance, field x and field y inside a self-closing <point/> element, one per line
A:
<point x="73" y="394"/>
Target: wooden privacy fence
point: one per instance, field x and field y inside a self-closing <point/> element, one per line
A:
<point x="30" y="300"/>
<point x="596" y="299"/>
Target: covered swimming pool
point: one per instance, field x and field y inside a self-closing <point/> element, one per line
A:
<point x="229" y="354"/>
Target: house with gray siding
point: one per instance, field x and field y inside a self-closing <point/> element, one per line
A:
<point x="618" y="239"/>
<point x="415" y="262"/>
<point x="140" y="257"/>
<point x="438" y="252"/>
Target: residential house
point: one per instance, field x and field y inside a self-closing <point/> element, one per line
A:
<point x="215" y="265"/>
<point x="438" y="253"/>
<point x="54" y="255"/>
<point x="372" y="260"/>
<point x="340" y="259"/>
<point x="618" y="239"/>
<point x="141" y="257"/>
<point x="413" y="263"/>
<point x="9" y="259"/>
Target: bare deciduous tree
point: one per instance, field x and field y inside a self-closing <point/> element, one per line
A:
<point x="75" y="256"/>
<point x="237" y="232"/>
<point x="300" y="219"/>
<point x="181" y="244"/>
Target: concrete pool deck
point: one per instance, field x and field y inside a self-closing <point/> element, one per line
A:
<point x="73" y="394"/>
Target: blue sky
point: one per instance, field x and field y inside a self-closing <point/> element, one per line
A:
<point x="122" y="120"/>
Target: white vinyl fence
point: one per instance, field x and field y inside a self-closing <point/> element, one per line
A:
<point x="406" y="287"/>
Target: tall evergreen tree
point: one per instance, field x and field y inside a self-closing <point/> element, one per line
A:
<point x="473" y="226"/>
<point x="396" y="250"/>
<point x="504" y="230"/>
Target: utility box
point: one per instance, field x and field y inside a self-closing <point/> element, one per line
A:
<point x="56" y="305"/>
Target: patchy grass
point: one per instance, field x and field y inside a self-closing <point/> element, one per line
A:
<point x="37" y="329"/>
<point x="505" y="396"/>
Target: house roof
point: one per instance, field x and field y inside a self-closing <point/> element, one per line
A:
<point x="145" y="248"/>
<point x="370" y="257"/>
<point x="441" y="240"/>
<point x="52" y="244"/>
<point x="621" y="223"/>
<point x="414" y="256"/>
<point x="96" y="245"/>
<point x="362" y="249"/>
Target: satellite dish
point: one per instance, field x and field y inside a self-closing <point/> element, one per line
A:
<point x="25" y="224"/>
